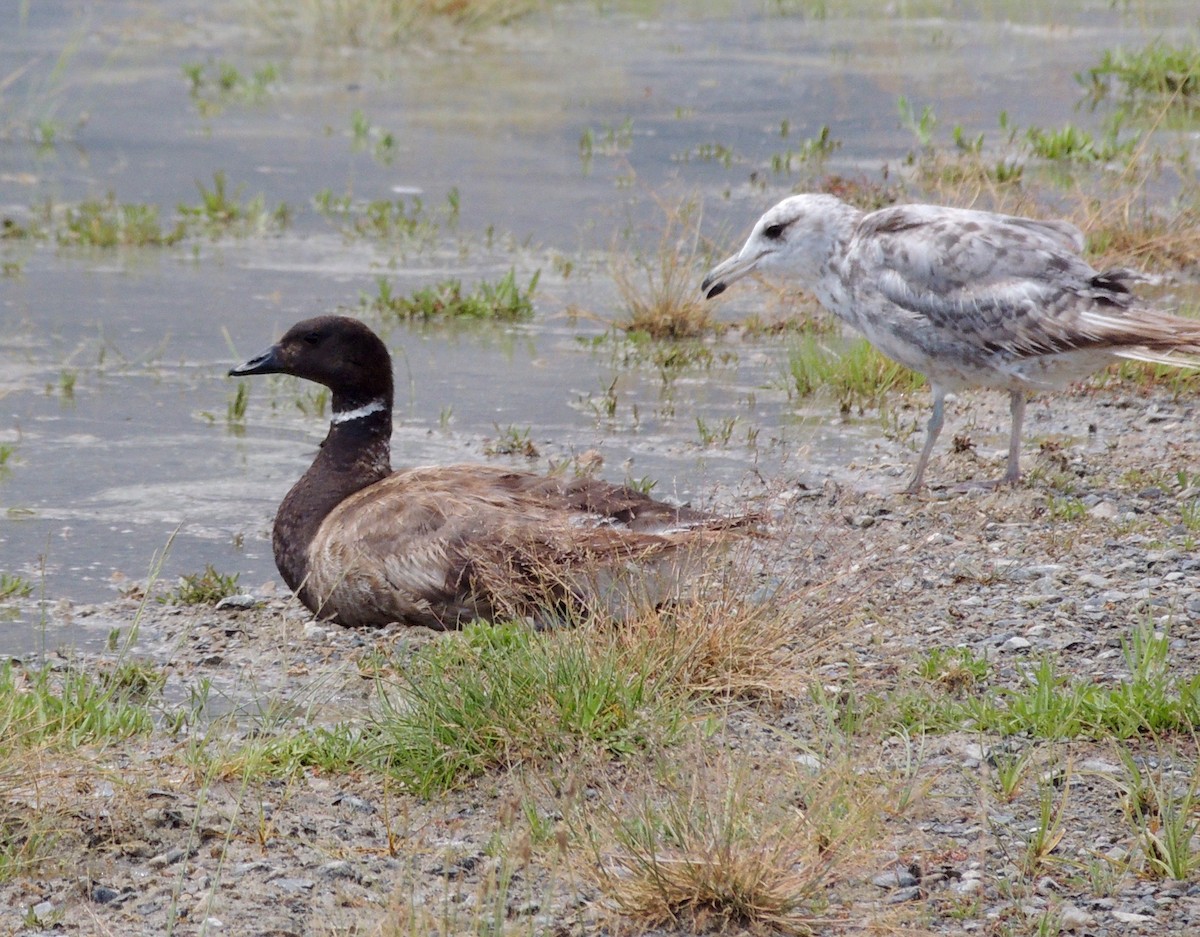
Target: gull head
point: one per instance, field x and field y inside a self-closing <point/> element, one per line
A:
<point x="794" y="240"/>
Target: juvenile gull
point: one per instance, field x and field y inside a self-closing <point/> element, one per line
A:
<point x="967" y="298"/>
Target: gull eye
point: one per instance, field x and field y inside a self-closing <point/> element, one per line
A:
<point x="773" y="232"/>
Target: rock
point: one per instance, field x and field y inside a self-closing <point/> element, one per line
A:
<point x="314" y="632"/>
<point x="338" y="868"/>
<point x="895" y="878"/>
<point x="102" y="894"/>
<point x="1129" y="917"/>
<point x="42" y="911"/>
<point x="237" y="602"/>
<point x="1016" y="643"/>
<point x="163" y="859"/>
<point x="294" y="885"/>
<point x="357" y="804"/>
<point x="1073" y="918"/>
<point x="809" y="762"/>
<point x="905" y="894"/>
<point x="1099" y="766"/>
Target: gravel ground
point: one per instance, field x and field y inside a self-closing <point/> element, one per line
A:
<point x="1096" y="544"/>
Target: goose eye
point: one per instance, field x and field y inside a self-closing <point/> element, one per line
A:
<point x="773" y="232"/>
<point x="312" y="338"/>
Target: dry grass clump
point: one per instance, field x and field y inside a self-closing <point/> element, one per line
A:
<point x="382" y="23"/>
<point x="715" y="846"/>
<point x="661" y="292"/>
<point x="730" y="641"/>
<point x="1125" y="230"/>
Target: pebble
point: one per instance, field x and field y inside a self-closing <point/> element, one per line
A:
<point x="338" y="868"/>
<point x="895" y="878"/>
<point x="42" y="911"/>
<point x="102" y="894"/>
<point x="314" y="632"/>
<point x="1129" y="917"/>
<point x="967" y="886"/>
<point x="170" y="857"/>
<point x="237" y="602"/>
<point x="357" y="804"/>
<point x="1073" y="918"/>
<point x="294" y="885"/>
<point x="809" y="762"/>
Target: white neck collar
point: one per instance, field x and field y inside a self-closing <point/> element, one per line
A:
<point x="375" y="406"/>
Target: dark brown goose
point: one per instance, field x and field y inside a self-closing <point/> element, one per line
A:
<point x="442" y="545"/>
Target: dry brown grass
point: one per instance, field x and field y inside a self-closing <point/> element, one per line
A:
<point x="712" y="843"/>
<point x="733" y="640"/>
<point x="661" y="292"/>
<point x="1146" y="215"/>
<point x="381" y="23"/>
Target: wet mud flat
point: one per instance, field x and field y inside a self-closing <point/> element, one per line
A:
<point x="149" y="836"/>
<point x="968" y="712"/>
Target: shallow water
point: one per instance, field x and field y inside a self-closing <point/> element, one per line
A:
<point x="138" y="453"/>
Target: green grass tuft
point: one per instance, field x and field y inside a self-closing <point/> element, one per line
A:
<point x="859" y="378"/>
<point x="503" y="695"/>
<point x="206" y="588"/>
<point x="503" y="301"/>
<point x="68" y="708"/>
<point x="108" y="223"/>
<point x="1159" y="71"/>
<point x="14" y="587"/>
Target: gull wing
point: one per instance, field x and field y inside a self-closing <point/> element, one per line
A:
<point x="1000" y="283"/>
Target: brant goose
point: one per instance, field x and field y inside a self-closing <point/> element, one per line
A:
<point x="967" y="298"/>
<point x="442" y="545"/>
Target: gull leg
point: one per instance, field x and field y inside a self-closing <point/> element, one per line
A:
<point x="1012" y="474"/>
<point x="931" y="434"/>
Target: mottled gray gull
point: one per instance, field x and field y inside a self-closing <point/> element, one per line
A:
<point x="967" y="298"/>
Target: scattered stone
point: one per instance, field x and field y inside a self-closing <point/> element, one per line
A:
<point x="967" y="886"/>
<point x="808" y="762"/>
<point x="313" y="631"/>
<point x="338" y="868"/>
<point x="102" y="894"/>
<point x="42" y="911"/>
<point x="238" y="602"/>
<point x="895" y="878"/>
<point x="170" y="857"/>
<point x="1072" y="918"/>
<point x="356" y="804"/>
<point x="1130" y="917"/>
<point x="294" y="885"/>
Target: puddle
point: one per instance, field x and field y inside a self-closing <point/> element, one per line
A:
<point x="561" y="135"/>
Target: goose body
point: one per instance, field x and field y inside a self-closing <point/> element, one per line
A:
<point x="440" y="546"/>
<point x="967" y="298"/>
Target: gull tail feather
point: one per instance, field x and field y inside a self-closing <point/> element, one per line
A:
<point x="1176" y="358"/>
